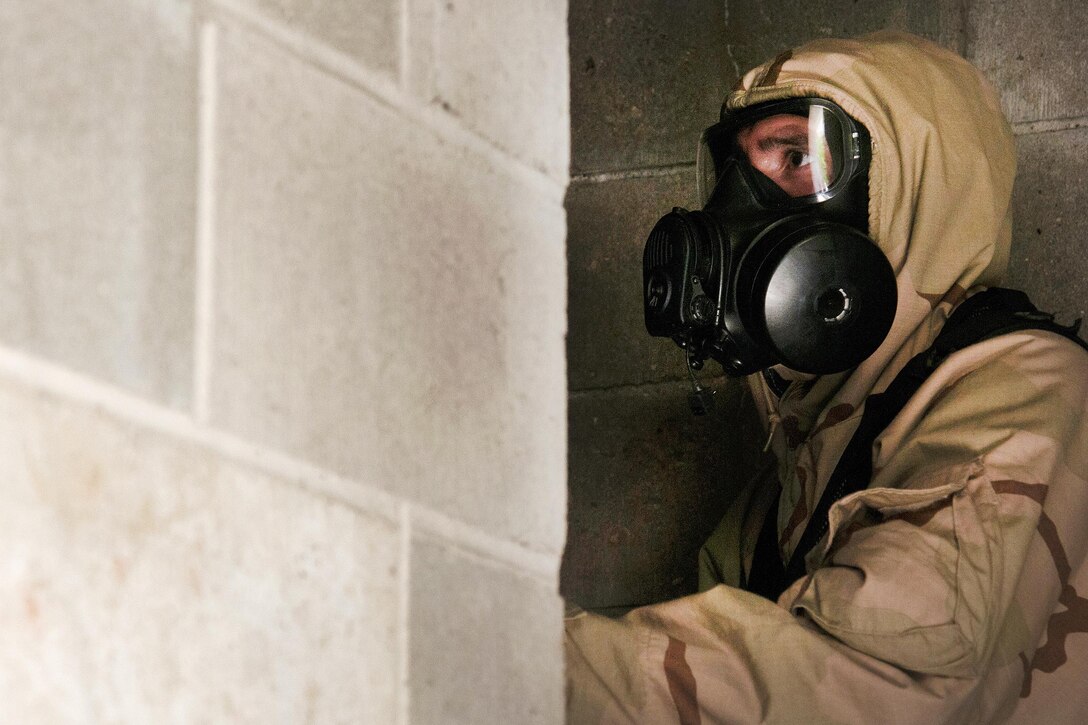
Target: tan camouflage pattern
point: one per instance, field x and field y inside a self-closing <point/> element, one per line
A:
<point x="954" y="588"/>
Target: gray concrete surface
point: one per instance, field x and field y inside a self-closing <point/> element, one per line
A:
<point x="282" y="380"/>
<point x="368" y="31"/>
<point x="756" y="31"/>
<point x="97" y="197"/>
<point x="648" y="483"/>
<point x="468" y="622"/>
<point x="1035" y="53"/>
<point x="1050" y="223"/>
<point x="321" y="390"/>
<point x="607" y="344"/>
<point x="645" y="75"/>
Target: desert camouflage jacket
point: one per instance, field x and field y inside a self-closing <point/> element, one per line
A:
<point x="955" y="587"/>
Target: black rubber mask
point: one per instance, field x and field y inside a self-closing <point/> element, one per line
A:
<point x="777" y="268"/>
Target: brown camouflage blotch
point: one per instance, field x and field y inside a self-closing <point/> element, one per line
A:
<point x="1025" y="686"/>
<point x="1074" y="619"/>
<point x="953" y="296"/>
<point x="770" y="76"/>
<point x="1035" y="491"/>
<point x="837" y="414"/>
<point x="843" y="535"/>
<point x="791" y="427"/>
<point x="1049" y="532"/>
<point x="798" y="515"/>
<point x="681" y="681"/>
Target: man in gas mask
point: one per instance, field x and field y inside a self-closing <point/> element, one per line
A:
<point x="918" y="553"/>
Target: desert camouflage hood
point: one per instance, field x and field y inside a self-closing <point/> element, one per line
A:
<point x="941" y="177"/>
<point x="940" y="184"/>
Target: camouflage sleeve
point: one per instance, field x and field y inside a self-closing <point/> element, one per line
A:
<point x="931" y="596"/>
<point x="728" y="656"/>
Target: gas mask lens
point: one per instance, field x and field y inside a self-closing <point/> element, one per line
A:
<point x="795" y="155"/>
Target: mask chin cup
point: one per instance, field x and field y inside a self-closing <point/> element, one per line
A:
<point x="819" y="296"/>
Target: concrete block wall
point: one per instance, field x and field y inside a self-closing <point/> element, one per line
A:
<point x="1036" y="56"/>
<point x="283" y="429"/>
<point x="646" y="478"/>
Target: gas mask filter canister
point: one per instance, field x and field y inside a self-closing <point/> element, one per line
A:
<point x="777" y="268"/>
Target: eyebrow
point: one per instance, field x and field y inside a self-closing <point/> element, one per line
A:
<point x="772" y="142"/>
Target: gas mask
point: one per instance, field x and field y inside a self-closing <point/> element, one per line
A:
<point x="777" y="268"/>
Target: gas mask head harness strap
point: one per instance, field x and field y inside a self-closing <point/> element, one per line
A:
<point x="777" y="268"/>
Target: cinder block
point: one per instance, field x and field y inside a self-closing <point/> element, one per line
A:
<point x="97" y="107"/>
<point x="485" y="644"/>
<point x="1034" y="53"/>
<point x="759" y="31"/>
<point x="368" y="31"/>
<point x="502" y="68"/>
<point x="145" y="580"/>
<point x="379" y="294"/>
<point x="1049" y="225"/>
<point x="609" y="222"/>
<point x="648" y="483"/>
<point x="646" y="78"/>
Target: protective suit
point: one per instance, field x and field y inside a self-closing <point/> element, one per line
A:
<point x="953" y="588"/>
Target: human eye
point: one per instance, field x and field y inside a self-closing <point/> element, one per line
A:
<point x="781" y="148"/>
<point x="797" y="158"/>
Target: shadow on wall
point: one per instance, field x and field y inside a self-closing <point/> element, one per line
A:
<point x="649" y="482"/>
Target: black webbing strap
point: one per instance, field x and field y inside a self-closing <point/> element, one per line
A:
<point x="992" y="312"/>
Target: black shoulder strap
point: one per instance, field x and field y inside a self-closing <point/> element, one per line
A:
<point x="992" y="312"/>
